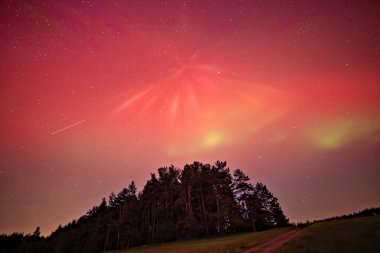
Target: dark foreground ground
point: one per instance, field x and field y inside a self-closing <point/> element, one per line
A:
<point x="230" y="244"/>
<point x="350" y="235"/>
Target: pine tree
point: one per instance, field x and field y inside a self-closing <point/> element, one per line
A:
<point x="243" y="191"/>
<point x="227" y="213"/>
<point x="37" y="232"/>
<point x="266" y="209"/>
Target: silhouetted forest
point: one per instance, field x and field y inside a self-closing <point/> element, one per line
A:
<point x="198" y="201"/>
<point x="363" y="213"/>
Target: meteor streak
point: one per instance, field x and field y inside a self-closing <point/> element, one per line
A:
<point x="67" y="127"/>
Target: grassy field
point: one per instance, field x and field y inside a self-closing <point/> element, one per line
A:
<point x="225" y="244"/>
<point x="351" y="235"/>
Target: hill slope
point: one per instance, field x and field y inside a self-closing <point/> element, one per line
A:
<point x="232" y="243"/>
<point x="350" y="235"/>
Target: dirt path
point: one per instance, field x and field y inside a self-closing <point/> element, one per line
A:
<point x="275" y="243"/>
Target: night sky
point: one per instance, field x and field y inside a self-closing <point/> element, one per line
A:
<point x="94" y="94"/>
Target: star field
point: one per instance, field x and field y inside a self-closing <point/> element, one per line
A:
<point x="94" y="94"/>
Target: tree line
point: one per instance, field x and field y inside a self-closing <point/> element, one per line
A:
<point x="198" y="201"/>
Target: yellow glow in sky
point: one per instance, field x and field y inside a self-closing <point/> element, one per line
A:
<point x="212" y="140"/>
<point x="337" y="134"/>
<point x="331" y="140"/>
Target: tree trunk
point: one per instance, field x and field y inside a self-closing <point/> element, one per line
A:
<point x="217" y="203"/>
<point x="189" y="205"/>
<point x="204" y="213"/>
<point x="118" y="225"/>
<point x="106" y="242"/>
<point x="218" y="209"/>
<point x="118" y="238"/>
<point x="253" y="225"/>
<point x="187" y="211"/>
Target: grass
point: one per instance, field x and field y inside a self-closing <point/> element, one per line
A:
<point x="225" y="244"/>
<point x="351" y="235"/>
